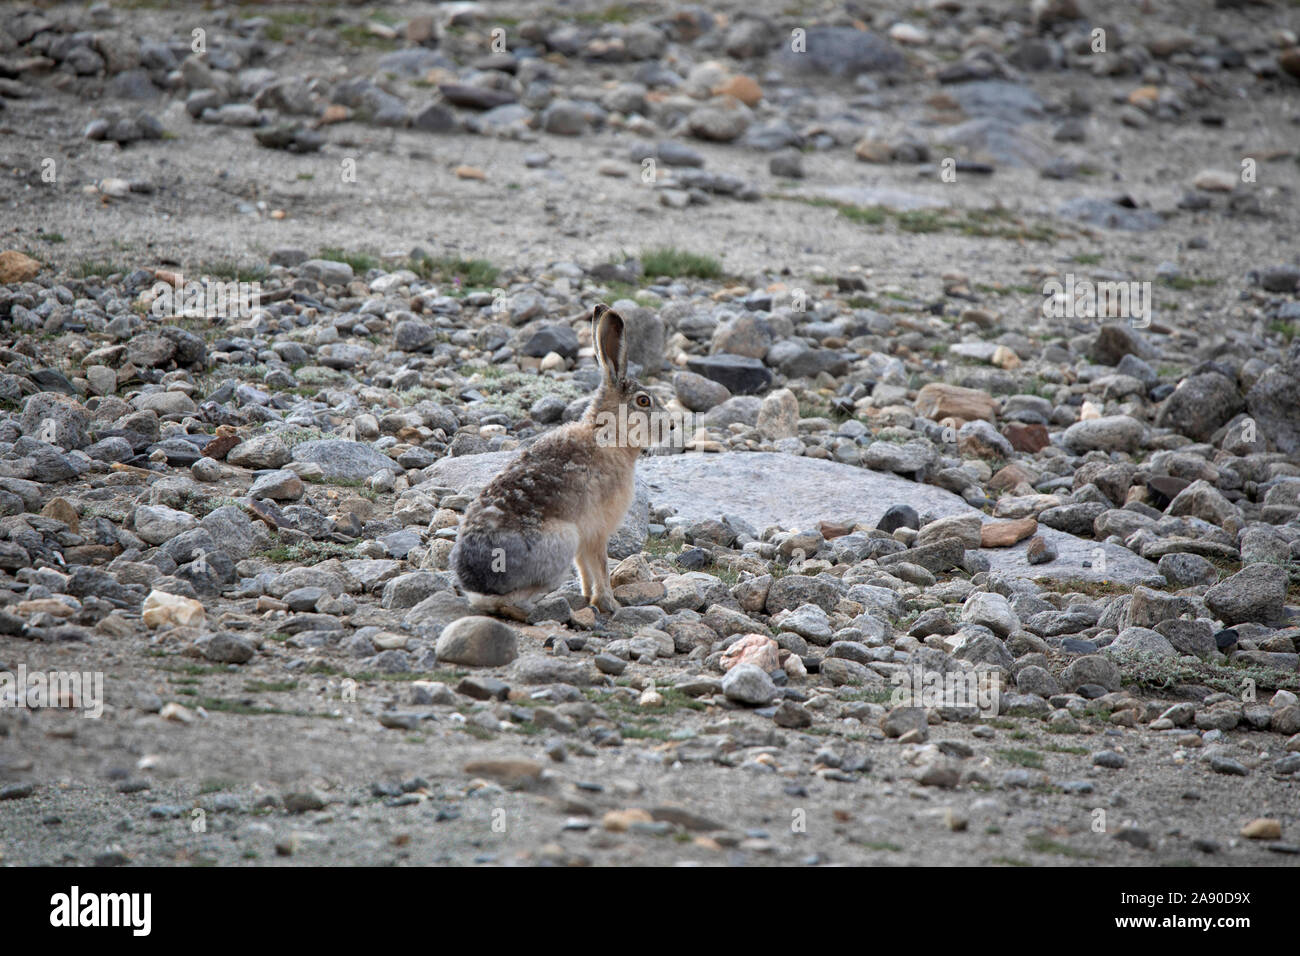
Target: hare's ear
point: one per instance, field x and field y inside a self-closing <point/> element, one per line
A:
<point x="611" y="350"/>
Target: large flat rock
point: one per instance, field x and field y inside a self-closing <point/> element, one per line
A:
<point x="793" y="492"/>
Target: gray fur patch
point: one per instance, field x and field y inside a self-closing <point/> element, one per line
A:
<point x="502" y="562"/>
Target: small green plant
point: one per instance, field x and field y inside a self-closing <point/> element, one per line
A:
<point x="270" y="687"/>
<point x="465" y="273"/>
<point x="678" y="263"/>
<point x="1023" y="757"/>
<point x="89" y="268"/>
<point x="1188" y="282"/>
<point x="306" y="552"/>
<point x="359" y="261"/>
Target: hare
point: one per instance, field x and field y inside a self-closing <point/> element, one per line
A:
<point x="558" y="501"/>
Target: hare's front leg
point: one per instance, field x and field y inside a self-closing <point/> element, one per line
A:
<point x="596" y="588"/>
<point x="584" y="577"/>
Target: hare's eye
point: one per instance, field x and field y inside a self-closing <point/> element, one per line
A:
<point x="643" y="401"/>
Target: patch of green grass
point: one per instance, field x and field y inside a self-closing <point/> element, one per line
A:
<point x="1187" y="282"/>
<point x="1087" y="258"/>
<point x="1092" y="588"/>
<point x="660" y="546"/>
<point x="359" y="34"/>
<point x="998" y="222"/>
<point x="1023" y="757"/>
<point x="1283" y="328"/>
<point x="614" y="13"/>
<point x="995" y="222"/>
<point x="1060" y="749"/>
<point x="297" y="20"/>
<point x="306" y="552"/>
<point x="882" y="845"/>
<point x="678" y="263"/>
<point x="676" y="700"/>
<point x="1155" y="673"/>
<point x="270" y="687"/>
<point x="55" y="237"/>
<point x="359" y="261"/>
<point x="862" y="215"/>
<point x="216" y="785"/>
<point x="920" y="220"/>
<point x="871" y="695"/>
<point x="616" y="289"/>
<point x="445" y="676"/>
<point x="644" y="731"/>
<point x="464" y="273"/>
<point x="89" y="268"/>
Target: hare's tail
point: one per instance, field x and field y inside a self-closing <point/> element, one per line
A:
<point x="504" y="562"/>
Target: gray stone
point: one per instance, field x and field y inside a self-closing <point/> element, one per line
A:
<point x="263" y="451"/>
<point x="226" y="648"/>
<point x="748" y="684"/>
<point x="1199" y="405"/>
<point x="1111" y="433"/>
<point x="1091" y="669"/>
<point x="1141" y="640"/>
<point x="280" y="485"/>
<point x="342" y="460"/>
<point x="156" y="524"/>
<point x="477" y="642"/>
<point x="1255" y="593"/>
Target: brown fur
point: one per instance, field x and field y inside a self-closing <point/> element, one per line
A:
<point x="568" y="482"/>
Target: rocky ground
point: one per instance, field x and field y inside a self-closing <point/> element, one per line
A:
<point x="845" y="239"/>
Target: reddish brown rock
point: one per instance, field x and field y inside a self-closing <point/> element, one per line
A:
<point x="61" y="509"/>
<point x="743" y="88"/>
<point x="1003" y="534"/>
<point x="1011" y="476"/>
<point x="940" y="400"/>
<point x="834" y="529"/>
<point x="17" y="267"/>
<point x="516" y="774"/>
<point x="221" y="444"/>
<point x="1026" y="438"/>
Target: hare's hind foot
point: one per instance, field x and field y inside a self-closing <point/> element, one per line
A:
<point x="603" y="601"/>
<point x="516" y="606"/>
